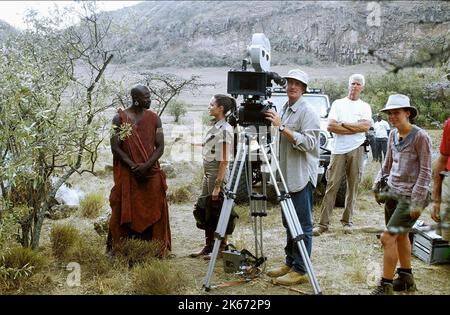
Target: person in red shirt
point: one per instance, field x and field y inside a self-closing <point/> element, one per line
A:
<point x="441" y="191"/>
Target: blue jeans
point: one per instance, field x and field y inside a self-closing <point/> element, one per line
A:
<point x="303" y="203"/>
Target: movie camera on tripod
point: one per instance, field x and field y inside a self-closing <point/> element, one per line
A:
<point x="255" y="140"/>
<point x="254" y="86"/>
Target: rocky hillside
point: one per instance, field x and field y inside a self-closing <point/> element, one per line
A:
<point x="196" y="33"/>
<point x="216" y="33"/>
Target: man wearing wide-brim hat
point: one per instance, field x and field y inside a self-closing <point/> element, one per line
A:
<point x="299" y="127"/>
<point x="349" y="120"/>
<point x="408" y="170"/>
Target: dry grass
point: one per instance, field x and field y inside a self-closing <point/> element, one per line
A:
<point x="198" y="177"/>
<point x="342" y="263"/>
<point x="91" y="206"/>
<point x="20" y="271"/>
<point x="244" y="213"/>
<point x="90" y="253"/>
<point x="18" y="257"/>
<point x="157" y="277"/>
<point x="63" y="238"/>
<point x="116" y="281"/>
<point x="366" y="183"/>
<point x="106" y="171"/>
<point x="357" y="272"/>
<point x="135" y="251"/>
<point x="180" y="194"/>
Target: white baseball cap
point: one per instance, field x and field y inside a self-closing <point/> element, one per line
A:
<point x="397" y="101"/>
<point x="298" y="75"/>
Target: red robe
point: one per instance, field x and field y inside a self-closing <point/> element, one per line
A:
<point x="140" y="207"/>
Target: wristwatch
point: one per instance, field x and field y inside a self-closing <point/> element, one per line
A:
<point x="281" y="128"/>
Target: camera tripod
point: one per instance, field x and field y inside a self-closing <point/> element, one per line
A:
<point x="243" y="153"/>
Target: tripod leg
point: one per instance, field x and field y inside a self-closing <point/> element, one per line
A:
<point x="290" y="215"/>
<point x="225" y="213"/>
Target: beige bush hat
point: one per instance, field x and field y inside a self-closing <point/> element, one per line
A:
<point x="397" y="101"/>
<point x="298" y="75"/>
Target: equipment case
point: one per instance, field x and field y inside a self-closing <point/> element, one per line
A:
<point x="430" y="247"/>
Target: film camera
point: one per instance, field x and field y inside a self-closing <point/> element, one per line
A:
<point x="254" y="86"/>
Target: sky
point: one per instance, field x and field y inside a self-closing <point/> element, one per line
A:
<point x="13" y="12"/>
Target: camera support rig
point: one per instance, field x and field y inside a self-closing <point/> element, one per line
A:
<point x="284" y="199"/>
<point x="255" y="87"/>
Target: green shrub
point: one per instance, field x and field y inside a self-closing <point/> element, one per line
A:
<point x="206" y="118"/>
<point x="418" y="84"/>
<point x="334" y="89"/>
<point x="92" y="205"/>
<point x="8" y="226"/>
<point x="177" y="109"/>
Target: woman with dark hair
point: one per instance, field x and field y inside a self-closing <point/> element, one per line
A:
<point x="217" y="147"/>
<point x="408" y="170"/>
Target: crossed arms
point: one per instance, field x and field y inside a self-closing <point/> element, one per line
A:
<point x="344" y="128"/>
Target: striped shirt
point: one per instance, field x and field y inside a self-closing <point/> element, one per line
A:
<point x="408" y="163"/>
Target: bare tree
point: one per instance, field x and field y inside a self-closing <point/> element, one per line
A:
<point x="166" y="87"/>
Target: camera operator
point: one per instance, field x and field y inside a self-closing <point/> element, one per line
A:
<point x="349" y="119"/>
<point x="217" y="146"/>
<point x="299" y="130"/>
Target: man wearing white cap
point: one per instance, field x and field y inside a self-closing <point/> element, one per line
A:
<point x="349" y="119"/>
<point x="299" y="128"/>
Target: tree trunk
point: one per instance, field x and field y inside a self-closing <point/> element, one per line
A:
<point x="25" y="239"/>
<point x="36" y="233"/>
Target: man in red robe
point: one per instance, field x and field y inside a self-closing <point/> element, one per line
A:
<point x="138" y="198"/>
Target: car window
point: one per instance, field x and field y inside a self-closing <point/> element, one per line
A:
<point x="318" y="102"/>
<point x="278" y="101"/>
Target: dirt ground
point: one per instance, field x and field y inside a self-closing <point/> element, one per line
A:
<point x="343" y="263"/>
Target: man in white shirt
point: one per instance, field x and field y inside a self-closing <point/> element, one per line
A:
<point x="382" y="129"/>
<point x="349" y="119"/>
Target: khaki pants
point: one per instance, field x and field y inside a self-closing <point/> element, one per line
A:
<point x="445" y="207"/>
<point x="350" y="164"/>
